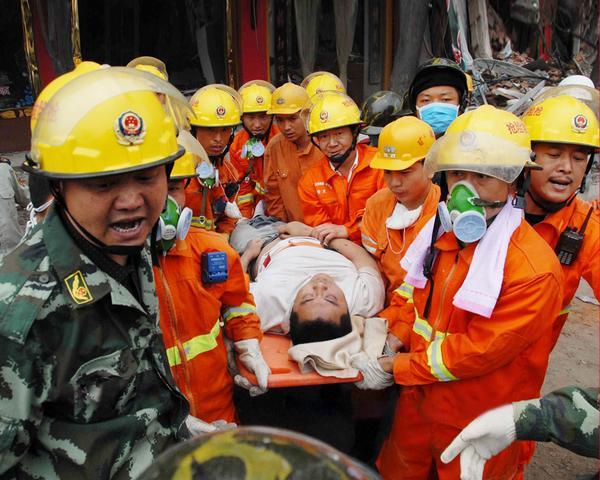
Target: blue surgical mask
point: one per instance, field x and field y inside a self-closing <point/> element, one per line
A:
<point x="438" y="115"/>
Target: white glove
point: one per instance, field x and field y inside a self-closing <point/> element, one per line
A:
<point x="198" y="427"/>
<point x="374" y="377"/>
<point x="249" y="353"/>
<point x="484" y="437"/>
<point x="232" y="210"/>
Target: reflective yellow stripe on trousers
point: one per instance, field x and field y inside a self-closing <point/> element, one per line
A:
<point x="195" y="346"/>
<point x="405" y="290"/>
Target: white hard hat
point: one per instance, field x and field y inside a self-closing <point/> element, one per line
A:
<point x="577" y="80"/>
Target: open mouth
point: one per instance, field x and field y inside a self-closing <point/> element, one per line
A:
<point x="560" y="184"/>
<point x="127" y="227"/>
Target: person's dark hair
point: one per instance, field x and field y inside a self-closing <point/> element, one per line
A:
<point x="39" y="190"/>
<point x="318" y="330"/>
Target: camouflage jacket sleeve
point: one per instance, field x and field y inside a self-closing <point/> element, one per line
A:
<point x="567" y="417"/>
<point x="28" y="377"/>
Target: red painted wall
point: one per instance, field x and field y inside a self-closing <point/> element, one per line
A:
<point x="253" y="48"/>
<point x="46" y="69"/>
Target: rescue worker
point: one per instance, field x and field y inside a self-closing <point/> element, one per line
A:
<point x="477" y="305"/>
<point x="12" y="193"/>
<point x="248" y="147"/>
<point x="319" y="82"/>
<point x="379" y="109"/>
<point x="564" y="135"/>
<point x="203" y="297"/>
<point x="567" y="416"/>
<point x="87" y="388"/>
<point x="216" y="111"/>
<point x="394" y="215"/>
<point x="334" y="191"/>
<point x="438" y="93"/>
<point x="288" y="155"/>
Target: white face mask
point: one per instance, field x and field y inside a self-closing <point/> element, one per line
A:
<point x="402" y="217"/>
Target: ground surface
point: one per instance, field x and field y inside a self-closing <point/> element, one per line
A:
<point x="574" y="361"/>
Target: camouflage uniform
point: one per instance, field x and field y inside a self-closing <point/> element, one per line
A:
<point x="567" y="417"/>
<point x="85" y="388"/>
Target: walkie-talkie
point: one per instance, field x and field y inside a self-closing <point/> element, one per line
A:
<point x="570" y="241"/>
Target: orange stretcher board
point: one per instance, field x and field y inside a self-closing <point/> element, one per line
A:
<point x="284" y="371"/>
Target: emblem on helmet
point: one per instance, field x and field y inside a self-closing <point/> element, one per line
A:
<point x="260" y="100"/>
<point x="324" y="116"/>
<point x="580" y="123"/>
<point x="130" y="129"/>
<point x="467" y="138"/>
<point x="220" y="111"/>
<point x="389" y="152"/>
<point x="280" y="101"/>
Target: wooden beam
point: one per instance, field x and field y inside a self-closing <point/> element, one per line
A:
<point x="478" y="27"/>
<point x="388" y="52"/>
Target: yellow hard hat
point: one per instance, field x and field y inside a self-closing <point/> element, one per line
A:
<point x="319" y="82"/>
<point x="153" y="70"/>
<point x="107" y="122"/>
<point x="562" y="119"/>
<point x="194" y="150"/>
<point x="55" y="85"/>
<point x="184" y="167"/>
<point x="151" y="62"/>
<point x="331" y="110"/>
<point x="256" y="96"/>
<point x="288" y="99"/>
<point x="402" y="143"/>
<point x="486" y="140"/>
<point x="216" y="105"/>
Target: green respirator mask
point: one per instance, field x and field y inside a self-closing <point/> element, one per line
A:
<point x="463" y="213"/>
<point x="173" y="224"/>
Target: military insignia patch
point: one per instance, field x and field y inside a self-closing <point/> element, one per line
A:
<point x="220" y="111"/>
<point x="130" y="129"/>
<point x="78" y="289"/>
<point x="580" y="123"/>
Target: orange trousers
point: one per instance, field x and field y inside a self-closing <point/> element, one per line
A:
<point x="413" y="449"/>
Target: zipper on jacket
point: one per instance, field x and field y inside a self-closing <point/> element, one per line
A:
<point x="434" y="327"/>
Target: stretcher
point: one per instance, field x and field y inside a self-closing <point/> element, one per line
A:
<point x="284" y="371"/>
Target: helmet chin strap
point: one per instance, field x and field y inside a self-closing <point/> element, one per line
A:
<point x="261" y="136"/>
<point x="338" y="160"/>
<point x="217" y="160"/>
<point x="550" y="207"/>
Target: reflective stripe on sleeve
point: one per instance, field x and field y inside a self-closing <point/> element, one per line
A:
<point x="405" y="290"/>
<point x="240" y="311"/>
<point x="195" y="346"/>
<point x="243" y="199"/>
<point x="436" y="362"/>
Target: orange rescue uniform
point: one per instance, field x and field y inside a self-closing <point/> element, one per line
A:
<point x="328" y="197"/>
<point x="192" y="314"/>
<point x="252" y="188"/>
<point x="587" y="264"/>
<point x="388" y="246"/>
<point x="460" y="364"/>
<point x="284" y="165"/>
<point x="200" y="199"/>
